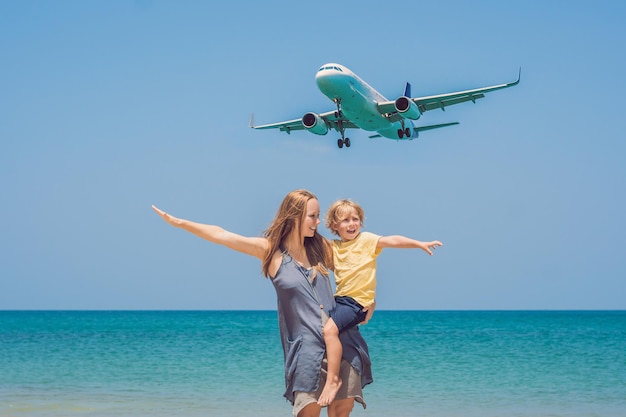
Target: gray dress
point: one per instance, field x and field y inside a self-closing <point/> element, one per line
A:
<point x="300" y="304"/>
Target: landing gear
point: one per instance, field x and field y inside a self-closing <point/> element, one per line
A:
<point x="404" y="132"/>
<point x="338" y="113"/>
<point x="341" y="142"/>
<point x="339" y="123"/>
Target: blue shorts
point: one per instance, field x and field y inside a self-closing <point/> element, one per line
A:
<point x="347" y="313"/>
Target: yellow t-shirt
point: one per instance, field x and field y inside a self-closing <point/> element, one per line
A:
<point x="355" y="267"/>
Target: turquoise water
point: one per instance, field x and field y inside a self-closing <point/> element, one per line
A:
<point x="212" y="363"/>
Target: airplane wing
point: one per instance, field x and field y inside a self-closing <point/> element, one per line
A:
<point x="441" y="101"/>
<point x="330" y="118"/>
<point x="286" y="126"/>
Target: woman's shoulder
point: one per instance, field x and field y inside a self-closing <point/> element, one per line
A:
<point x="275" y="263"/>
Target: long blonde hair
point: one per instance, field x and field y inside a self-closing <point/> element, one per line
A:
<point x="289" y="216"/>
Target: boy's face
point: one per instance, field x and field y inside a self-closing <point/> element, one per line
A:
<point x="349" y="227"/>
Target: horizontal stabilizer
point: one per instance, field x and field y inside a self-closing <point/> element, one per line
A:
<point x="421" y="129"/>
<point x="431" y="127"/>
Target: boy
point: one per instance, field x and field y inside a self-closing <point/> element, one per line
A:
<point x="355" y="275"/>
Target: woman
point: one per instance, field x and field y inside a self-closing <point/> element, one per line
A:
<point x="296" y="258"/>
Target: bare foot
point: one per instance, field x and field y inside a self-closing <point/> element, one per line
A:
<point x="329" y="392"/>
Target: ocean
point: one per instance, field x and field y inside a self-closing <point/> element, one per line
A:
<point x="230" y="363"/>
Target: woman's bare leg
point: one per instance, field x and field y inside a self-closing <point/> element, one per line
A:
<point x="334" y="351"/>
<point x="311" y="410"/>
<point x="341" y="408"/>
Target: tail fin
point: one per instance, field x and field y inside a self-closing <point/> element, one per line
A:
<point x="407" y="90"/>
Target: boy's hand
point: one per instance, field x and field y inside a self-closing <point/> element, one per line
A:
<point x="429" y="247"/>
<point x="370" y="312"/>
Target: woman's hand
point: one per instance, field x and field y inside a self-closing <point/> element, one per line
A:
<point x="174" y="221"/>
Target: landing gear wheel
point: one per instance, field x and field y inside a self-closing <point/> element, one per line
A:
<point x="400" y="133"/>
<point x="338" y="112"/>
<point x="347" y="142"/>
<point x="407" y="132"/>
<point x="340" y="143"/>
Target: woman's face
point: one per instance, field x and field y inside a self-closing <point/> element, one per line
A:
<point x="311" y="218"/>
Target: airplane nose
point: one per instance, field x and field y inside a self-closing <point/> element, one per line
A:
<point x="326" y="79"/>
<point x="321" y="74"/>
<point x="331" y="79"/>
<point x="322" y="80"/>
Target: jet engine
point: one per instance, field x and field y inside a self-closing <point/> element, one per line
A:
<point x="407" y="108"/>
<point x="314" y="124"/>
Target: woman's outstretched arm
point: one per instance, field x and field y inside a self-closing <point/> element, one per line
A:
<point x="255" y="246"/>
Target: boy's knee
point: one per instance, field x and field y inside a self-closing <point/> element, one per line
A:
<point x="330" y="329"/>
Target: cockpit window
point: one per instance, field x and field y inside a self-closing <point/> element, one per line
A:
<point x="330" y="67"/>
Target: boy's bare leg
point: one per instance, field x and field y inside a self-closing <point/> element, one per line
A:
<point x="334" y="352"/>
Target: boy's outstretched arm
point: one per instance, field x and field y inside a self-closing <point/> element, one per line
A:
<point x="398" y="241"/>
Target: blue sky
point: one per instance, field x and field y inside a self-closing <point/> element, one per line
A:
<point x="107" y="107"/>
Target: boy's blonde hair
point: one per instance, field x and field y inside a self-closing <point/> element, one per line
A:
<point x="339" y="210"/>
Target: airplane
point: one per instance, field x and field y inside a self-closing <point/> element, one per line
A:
<point x="359" y="106"/>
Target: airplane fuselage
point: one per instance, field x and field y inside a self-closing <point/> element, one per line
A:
<point x="358" y="101"/>
<point x="360" y="106"/>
